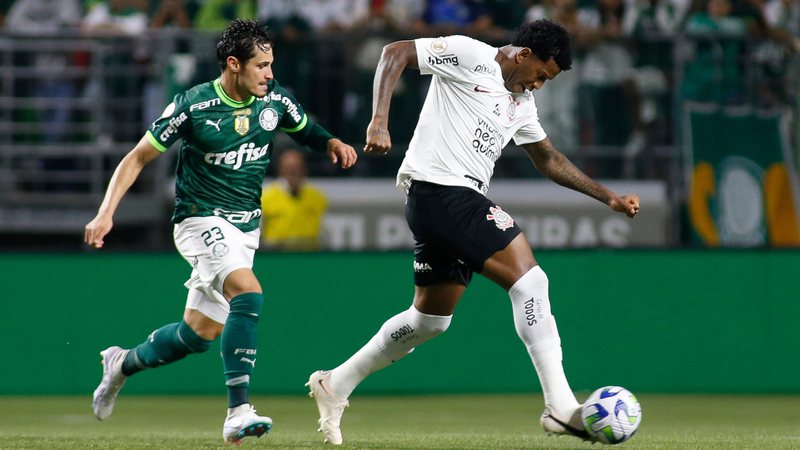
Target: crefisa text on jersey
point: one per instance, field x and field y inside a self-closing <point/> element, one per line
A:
<point x="174" y="123"/>
<point x="291" y="108"/>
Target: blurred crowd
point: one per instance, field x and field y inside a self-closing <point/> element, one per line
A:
<point x="633" y="57"/>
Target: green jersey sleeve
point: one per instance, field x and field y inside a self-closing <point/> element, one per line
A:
<point x="173" y="124"/>
<point x="298" y="126"/>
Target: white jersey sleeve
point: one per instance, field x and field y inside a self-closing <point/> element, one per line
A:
<point x="532" y="131"/>
<point x="468" y="116"/>
<point x="451" y="57"/>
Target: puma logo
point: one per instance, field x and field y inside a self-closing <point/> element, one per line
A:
<point x="213" y="124"/>
<point x="248" y="360"/>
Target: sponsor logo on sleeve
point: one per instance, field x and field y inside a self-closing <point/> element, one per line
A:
<point x="444" y="59"/>
<point x="291" y="108"/>
<point x="172" y="128"/>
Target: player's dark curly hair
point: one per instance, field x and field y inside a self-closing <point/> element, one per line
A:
<point x="240" y="39"/>
<point x="546" y="40"/>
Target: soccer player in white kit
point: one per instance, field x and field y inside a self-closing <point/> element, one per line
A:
<point x="479" y="98"/>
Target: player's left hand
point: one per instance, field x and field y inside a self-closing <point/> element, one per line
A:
<point x="342" y="154"/>
<point x="628" y="204"/>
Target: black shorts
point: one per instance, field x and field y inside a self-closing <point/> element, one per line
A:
<point x="456" y="230"/>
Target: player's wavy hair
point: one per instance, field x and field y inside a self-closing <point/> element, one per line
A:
<point x="546" y="40"/>
<point x="240" y="39"/>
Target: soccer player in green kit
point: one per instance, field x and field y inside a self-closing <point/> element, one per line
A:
<point x="227" y="127"/>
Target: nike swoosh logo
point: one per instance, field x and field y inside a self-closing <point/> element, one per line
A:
<point x="479" y="89"/>
<point x="324" y="388"/>
<point x="583" y="434"/>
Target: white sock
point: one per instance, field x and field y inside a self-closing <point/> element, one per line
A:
<point x="536" y="326"/>
<point x="397" y="338"/>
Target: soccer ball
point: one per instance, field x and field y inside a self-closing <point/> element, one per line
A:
<point x="611" y="414"/>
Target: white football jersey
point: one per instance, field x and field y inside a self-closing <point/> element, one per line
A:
<point x="468" y="116"/>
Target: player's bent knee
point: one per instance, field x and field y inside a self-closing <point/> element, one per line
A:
<point x="429" y="325"/>
<point x="194" y="341"/>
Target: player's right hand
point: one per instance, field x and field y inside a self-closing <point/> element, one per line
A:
<point x="96" y="230"/>
<point x="378" y="139"/>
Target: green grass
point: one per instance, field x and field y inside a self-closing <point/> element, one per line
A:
<point x="424" y="422"/>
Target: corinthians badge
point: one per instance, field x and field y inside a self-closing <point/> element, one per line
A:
<point x="501" y="218"/>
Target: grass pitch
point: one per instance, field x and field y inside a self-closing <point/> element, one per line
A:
<point x="371" y="422"/>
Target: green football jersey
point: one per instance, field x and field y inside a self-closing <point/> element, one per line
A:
<point x="225" y="150"/>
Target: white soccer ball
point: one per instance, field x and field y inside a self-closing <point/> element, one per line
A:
<point x="612" y="414"/>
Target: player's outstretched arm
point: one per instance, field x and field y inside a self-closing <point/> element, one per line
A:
<point x="557" y="167"/>
<point x="342" y="154"/>
<point x="394" y="59"/>
<point x="125" y="174"/>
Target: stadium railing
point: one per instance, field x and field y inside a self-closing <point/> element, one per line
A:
<point x="64" y="126"/>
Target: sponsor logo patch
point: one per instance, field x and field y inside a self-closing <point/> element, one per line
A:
<point x="422" y="267"/>
<point x="291" y="108"/>
<point x="205" y="104"/>
<point x="235" y="158"/>
<point x="172" y="128"/>
<point x="444" y="59"/>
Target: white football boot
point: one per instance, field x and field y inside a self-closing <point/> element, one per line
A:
<point x="106" y="393"/>
<point x="242" y="421"/>
<point x="555" y="426"/>
<point x="330" y="407"/>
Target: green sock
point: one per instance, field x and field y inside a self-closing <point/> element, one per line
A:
<point x="238" y="346"/>
<point x="166" y="345"/>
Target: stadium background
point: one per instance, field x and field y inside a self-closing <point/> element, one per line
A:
<point x="712" y="294"/>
